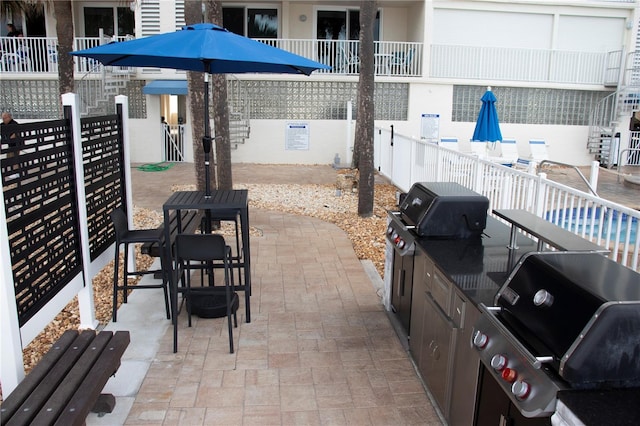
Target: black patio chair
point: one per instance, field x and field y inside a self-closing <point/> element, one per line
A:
<point x="207" y="252"/>
<point x="126" y="236"/>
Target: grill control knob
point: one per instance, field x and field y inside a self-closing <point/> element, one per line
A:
<point x="401" y="244"/>
<point x="390" y="230"/>
<point x="394" y="236"/>
<point x="499" y="362"/>
<point x="480" y="339"/>
<point x="509" y="375"/>
<point x="543" y="298"/>
<point x="521" y="389"/>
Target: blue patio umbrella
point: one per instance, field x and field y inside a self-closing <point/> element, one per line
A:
<point x="202" y="47"/>
<point x="487" y="127"/>
<point x="206" y="48"/>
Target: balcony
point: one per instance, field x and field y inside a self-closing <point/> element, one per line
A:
<point x="37" y="57"/>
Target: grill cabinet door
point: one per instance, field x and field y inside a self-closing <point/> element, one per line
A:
<point x="438" y="340"/>
<point x="422" y="276"/>
<point x="402" y="288"/>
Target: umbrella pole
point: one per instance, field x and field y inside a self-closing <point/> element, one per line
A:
<point x="206" y="139"/>
<point x="206" y="147"/>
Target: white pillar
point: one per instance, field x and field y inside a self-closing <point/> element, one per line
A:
<point x="85" y="296"/>
<point x="122" y="100"/>
<point x="348" y="156"/>
<point x="11" y="364"/>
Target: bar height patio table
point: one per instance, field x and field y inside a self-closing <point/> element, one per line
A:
<point x="222" y="202"/>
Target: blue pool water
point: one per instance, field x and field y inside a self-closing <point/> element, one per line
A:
<point x="589" y="218"/>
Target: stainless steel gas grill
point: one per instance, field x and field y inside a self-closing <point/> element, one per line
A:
<point x="433" y="210"/>
<point x="561" y="321"/>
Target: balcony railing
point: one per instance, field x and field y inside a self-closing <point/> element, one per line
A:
<point x="532" y="65"/>
<point x="391" y="58"/>
<point x="40" y="54"/>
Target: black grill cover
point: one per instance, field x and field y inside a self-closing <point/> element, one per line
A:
<point x="444" y="210"/>
<point x="582" y="307"/>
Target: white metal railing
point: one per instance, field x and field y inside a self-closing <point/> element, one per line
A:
<point x="611" y="225"/>
<point x="498" y="63"/>
<point x="631" y="70"/>
<point x="392" y="58"/>
<point x="173" y="142"/>
<point x="40" y="54"/>
<point x="28" y="54"/>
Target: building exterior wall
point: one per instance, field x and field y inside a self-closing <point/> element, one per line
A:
<point x="567" y="25"/>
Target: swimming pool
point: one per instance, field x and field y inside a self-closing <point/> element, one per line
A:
<point x="587" y="220"/>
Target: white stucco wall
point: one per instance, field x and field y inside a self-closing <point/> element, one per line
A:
<point x="268" y="139"/>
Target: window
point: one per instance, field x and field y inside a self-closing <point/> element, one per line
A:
<point x="260" y="23"/>
<point x="342" y="25"/>
<point x="108" y="18"/>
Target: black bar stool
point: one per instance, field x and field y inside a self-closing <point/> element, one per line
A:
<point x="226" y="216"/>
<point x="126" y="236"/>
<point x="208" y="251"/>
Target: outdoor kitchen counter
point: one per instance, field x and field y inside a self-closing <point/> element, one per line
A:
<point x="478" y="266"/>
<point x="612" y="407"/>
<point x="451" y="277"/>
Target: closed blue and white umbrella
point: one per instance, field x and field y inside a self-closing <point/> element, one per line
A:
<point x="487" y="126"/>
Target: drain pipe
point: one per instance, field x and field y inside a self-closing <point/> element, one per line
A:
<point x="593" y="191"/>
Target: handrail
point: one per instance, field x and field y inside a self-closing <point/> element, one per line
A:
<point x="584" y="179"/>
<point x="620" y="160"/>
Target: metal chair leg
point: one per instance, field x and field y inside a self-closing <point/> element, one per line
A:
<point x="114" y="313"/>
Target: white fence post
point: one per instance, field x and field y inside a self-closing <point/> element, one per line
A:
<point x="11" y="363"/>
<point x="85" y="296"/>
<point x="593" y="176"/>
<point x="123" y="101"/>
<point x="539" y="203"/>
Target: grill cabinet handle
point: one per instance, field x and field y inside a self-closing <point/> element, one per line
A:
<point x="536" y="362"/>
<point x="429" y="297"/>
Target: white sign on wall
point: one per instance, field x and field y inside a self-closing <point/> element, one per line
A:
<point x="430" y="127"/>
<point x="297" y="137"/>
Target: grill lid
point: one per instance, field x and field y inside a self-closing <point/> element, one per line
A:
<point x="582" y="307"/>
<point x="444" y="210"/>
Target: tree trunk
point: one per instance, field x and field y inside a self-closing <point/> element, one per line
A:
<point x="220" y="111"/>
<point x="64" y="31"/>
<point x="365" y="123"/>
<point x="193" y="15"/>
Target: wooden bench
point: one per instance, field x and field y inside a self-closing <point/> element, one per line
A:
<point x="190" y="220"/>
<point x="545" y="232"/>
<point x="67" y="382"/>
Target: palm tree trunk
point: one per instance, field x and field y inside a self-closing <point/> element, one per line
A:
<point x="193" y="15"/>
<point x="64" y="30"/>
<point x="363" y="155"/>
<point x="220" y="111"/>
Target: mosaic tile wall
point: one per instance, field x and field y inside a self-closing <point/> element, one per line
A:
<point x="523" y="105"/>
<point x="31" y="99"/>
<point x="321" y="100"/>
<point x="326" y="100"/>
<point x="39" y="99"/>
